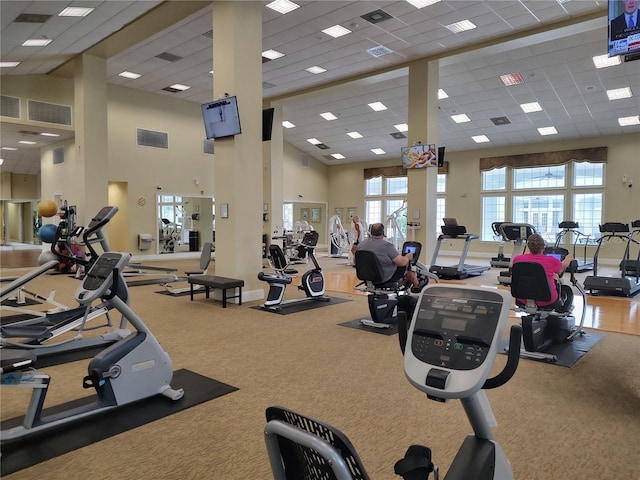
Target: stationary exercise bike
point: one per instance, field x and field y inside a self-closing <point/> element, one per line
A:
<point x="130" y="370"/>
<point x="312" y="281"/>
<point x="449" y="351"/>
<point x="388" y="299"/>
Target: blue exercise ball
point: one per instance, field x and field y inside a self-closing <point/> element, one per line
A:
<point x="47" y="232"/>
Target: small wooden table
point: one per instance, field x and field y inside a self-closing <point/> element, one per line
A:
<point x="213" y="281"/>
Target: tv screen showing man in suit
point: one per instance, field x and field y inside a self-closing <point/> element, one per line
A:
<point x="624" y="32"/>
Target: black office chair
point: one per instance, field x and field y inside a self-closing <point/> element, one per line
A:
<point x="302" y="448"/>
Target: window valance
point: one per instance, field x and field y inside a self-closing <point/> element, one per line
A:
<point x="593" y="155"/>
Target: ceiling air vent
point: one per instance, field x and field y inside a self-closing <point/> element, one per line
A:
<point x="49" y="113"/>
<point x="376" y="16"/>
<point x="10" y="106"/>
<point x="32" y="18"/>
<point x="266" y="85"/>
<point x="149" y="138"/>
<point x="207" y="147"/>
<point x="322" y="146"/>
<point x="58" y="155"/>
<point x="169" y="57"/>
<point x="172" y="90"/>
<point x="379" y="51"/>
<point x="398" y="135"/>
<point x="500" y="121"/>
<point x="208" y="34"/>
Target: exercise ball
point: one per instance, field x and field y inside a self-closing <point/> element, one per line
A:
<point x="47" y="208"/>
<point x="47" y="232"/>
<point x="46" y="256"/>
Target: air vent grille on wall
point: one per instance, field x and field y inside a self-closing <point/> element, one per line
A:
<point x="149" y="138"/>
<point x="207" y="147"/>
<point x="58" y="155"/>
<point x="10" y="107"/>
<point x="49" y="113"/>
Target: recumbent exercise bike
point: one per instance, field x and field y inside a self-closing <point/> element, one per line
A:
<point x="387" y="299"/>
<point x="550" y="325"/>
<point x="312" y="281"/>
<point x="449" y="351"/>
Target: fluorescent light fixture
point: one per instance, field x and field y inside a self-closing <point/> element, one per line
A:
<point x="480" y="139"/>
<point x="210" y="72"/>
<point x="288" y="124"/>
<point x="402" y="127"/>
<point x="131" y="75"/>
<point x="27" y="142"/>
<point x="314" y="141"/>
<point x="627" y="121"/>
<point x="76" y="12"/>
<point x="354" y="135"/>
<point x="282" y="6"/>
<point x="547" y="131"/>
<point x="9" y="64"/>
<point x="602" y="61"/>
<point x="378" y="151"/>
<point x="422" y="3"/>
<point x="272" y="54"/>
<point x="336" y="31"/>
<point x="8" y="148"/>
<point x="337" y="156"/>
<point x="511" y="79"/>
<point x="530" y="107"/>
<point x="37" y="42"/>
<point x="315" y="70"/>
<point x="462" y="118"/>
<point x="442" y="94"/>
<point x="619" y="93"/>
<point x="1" y="161"/>
<point x="328" y="116"/>
<point x="377" y="106"/>
<point x="462" y="26"/>
<point x="179" y="86"/>
<point x="48" y="134"/>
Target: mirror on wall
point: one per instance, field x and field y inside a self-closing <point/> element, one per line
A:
<point x="184" y="222"/>
<point x="314" y="213"/>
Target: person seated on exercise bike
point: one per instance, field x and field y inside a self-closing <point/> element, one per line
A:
<point x="396" y="267"/>
<point x="553" y="268"/>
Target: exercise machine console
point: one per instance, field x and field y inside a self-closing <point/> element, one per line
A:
<point x="450" y="350"/>
<point x="132" y="369"/>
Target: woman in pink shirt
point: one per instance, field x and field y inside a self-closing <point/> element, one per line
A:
<point x="552" y="266"/>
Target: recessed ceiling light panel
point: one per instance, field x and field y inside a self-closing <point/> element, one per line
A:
<point x="37" y="42"/>
<point x="314" y="141"/>
<point x="378" y="151"/>
<point x="288" y="124"/>
<point x="442" y="94"/>
<point x="328" y="116"/>
<point x="336" y="31"/>
<point x="272" y="54"/>
<point x="422" y="3"/>
<point x="282" y="6"/>
<point x="315" y="70"/>
<point x="547" y="131"/>
<point x="531" y="107"/>
<point x="377" y="106"/>
<point x="511" y="79"/>
<point x="354" y="135"/>
<point x="131" y="75"/>
<point x="628" y="121"/>
<point x="76" y="12"/>
<point x="337" y="156"/>
<point x="603" y="61"/>
<point x="618" y="93"/>
<point x="480" y="139"/>
<point x="461" y="118"/>
<point x="462" y="26"/>
<point x="402" y="127"/>
<point x="9" y="64"/>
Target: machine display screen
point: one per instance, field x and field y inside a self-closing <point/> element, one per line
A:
<point x="454" y="324"/>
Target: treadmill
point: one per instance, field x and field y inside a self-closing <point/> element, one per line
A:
<point x="569" y="227"/>
<point x="452" y="231"/>
<point x="629" y="265"/>
<point x="518" y="234"/>
<point x="626" y="285"/>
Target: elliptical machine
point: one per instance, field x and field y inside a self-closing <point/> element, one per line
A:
<point x="312" y="282"/>
<point x="132" y="369"/>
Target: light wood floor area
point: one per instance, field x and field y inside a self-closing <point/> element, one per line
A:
<point x="609" y="313"/>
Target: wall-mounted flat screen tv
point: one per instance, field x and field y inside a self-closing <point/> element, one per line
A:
<point x="624" y="31"/>
<point x="221" y="118"/>
<point x="419" y="156"/>
<point x="440" y="156"/>
<point x="267" y="123"/>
